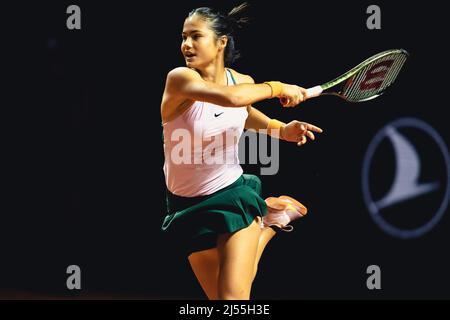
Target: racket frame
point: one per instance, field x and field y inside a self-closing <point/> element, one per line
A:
<point x="347" y="75"/>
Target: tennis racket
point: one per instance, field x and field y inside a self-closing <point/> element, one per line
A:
<point x="366" y="81"/>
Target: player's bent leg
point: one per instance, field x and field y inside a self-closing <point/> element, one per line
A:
<point x="237" y="253"/>
<point x="205" y="265"/>
<point x="266" y="235"/>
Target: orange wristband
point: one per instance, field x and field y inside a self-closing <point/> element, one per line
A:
<point x="276" y="87"/>
<point x="274" y="128"/>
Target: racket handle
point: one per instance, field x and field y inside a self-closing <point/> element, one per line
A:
<point x="313" y="92"/>
<point x="310" y="93"/>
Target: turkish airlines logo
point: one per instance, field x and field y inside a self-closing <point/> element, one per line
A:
<point x="405" y="178"/>
<point x="375" y="76"/>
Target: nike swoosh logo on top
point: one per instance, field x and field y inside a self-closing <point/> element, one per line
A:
<point x="216" y="115"/>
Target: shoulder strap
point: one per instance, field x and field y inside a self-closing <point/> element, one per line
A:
<point x="231" y="74"/>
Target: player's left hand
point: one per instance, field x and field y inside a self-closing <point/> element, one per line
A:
<point x="299" y="132"/>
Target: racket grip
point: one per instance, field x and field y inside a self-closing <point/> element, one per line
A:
<point x="313" y="92"/>
<point x="310" y="93"/>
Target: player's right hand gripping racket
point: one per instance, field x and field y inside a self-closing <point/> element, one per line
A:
<point x="366" y="81"/>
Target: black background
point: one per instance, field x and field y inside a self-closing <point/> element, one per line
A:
<point x="85" y="181"/>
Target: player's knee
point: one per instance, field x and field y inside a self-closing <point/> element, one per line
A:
<point x="212" y="295"/>
<point x="234" y="294"/>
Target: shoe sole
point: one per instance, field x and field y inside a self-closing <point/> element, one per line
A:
<point x="275" y="203"/>
<point x="300" y="207"/>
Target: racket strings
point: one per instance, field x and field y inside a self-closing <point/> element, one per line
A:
<point x="355" y="92"/>
<point x="365" y="84"/>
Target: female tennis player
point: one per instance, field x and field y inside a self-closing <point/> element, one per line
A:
<point x="214" y="210"/>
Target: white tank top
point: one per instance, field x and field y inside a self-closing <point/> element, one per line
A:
<point x="201" y="148"/>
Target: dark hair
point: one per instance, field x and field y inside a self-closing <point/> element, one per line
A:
<point x="225" y="25"/>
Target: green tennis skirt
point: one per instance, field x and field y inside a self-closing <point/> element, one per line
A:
<point x="195" y="222"/>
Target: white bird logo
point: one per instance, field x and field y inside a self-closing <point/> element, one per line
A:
<point x="406" y="184"/>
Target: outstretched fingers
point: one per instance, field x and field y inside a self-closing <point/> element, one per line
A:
<point x="311" y="127"/>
